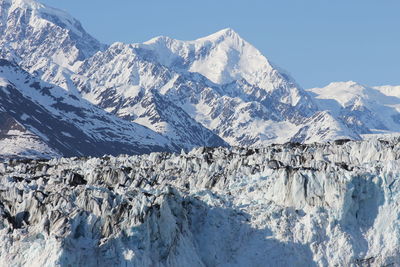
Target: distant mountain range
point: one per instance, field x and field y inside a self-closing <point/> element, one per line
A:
<point x="63" y="93"/>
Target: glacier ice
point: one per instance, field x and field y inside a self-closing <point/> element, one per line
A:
<point x="333" y="204"/>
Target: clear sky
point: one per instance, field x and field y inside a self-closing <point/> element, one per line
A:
<point x="317" y="41"/>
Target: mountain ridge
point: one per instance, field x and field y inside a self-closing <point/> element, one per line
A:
<point x="217" y="90"/>
<point x="144" y="68"/>
<point x="231" y="197"/>
<point x="369" y="110"/>
<point x="63" y="123"/>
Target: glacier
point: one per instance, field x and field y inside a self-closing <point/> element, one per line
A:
<point x="332" y="204"/>
<point x="300" y="194"/>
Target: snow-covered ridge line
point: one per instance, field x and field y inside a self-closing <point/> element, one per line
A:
<point x="39" y="119"/>
<point x="304" y="205"/>
<point x="215" y="91"/>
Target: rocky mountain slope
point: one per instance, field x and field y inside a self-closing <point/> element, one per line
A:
<point x="43" y="40"/>
<point x="365" y="110"/>
<point x="284" y="205"/>
<point x="63" y="93"/>
<point x="42" y="120"/>
<point x="221" y="81"/>
<point x="213" y="91"/>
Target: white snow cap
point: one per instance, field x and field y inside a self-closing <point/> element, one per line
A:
<point x="224" y="33"/>
<point x="46" y="13"/>
<point x="222" y="57"/>
<point x="24" y="3"/>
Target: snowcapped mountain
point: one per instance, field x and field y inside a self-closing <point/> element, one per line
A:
<point x="63" y="93"/>
<point x="43" y="120"/>
<point x="223" y="58"/>
<point x="283" y="205"/>
<point x="220" y="81"/>
<point x="213" y="91"/>
<point x="47" y="42"/>
<point x="218" y="90"/>
<point x="363" y="109"/>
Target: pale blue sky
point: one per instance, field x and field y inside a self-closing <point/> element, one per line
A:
<point x="317" y="41"/>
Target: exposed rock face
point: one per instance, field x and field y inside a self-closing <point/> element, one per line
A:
<point x="213" y="91"/>
<point x="285" y="205"/>
<point x="38" y="119"/>
<point x="43" y="40"/>
<point x="221" y="81"/>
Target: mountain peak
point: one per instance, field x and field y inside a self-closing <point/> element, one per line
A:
<point x="223" y="34"/>
<point x="347" y="85"/>
<point x="159" y="39"/>
<point x="227" y="31"/>
<point x="222" y="57"/>
<point x="20" y="2"/>
<point x="47" y="13"/>
<point x="43" y="34"/>
<point x="25" y="4"/>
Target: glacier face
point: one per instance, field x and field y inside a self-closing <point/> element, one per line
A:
<point x="284" y="205"/>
